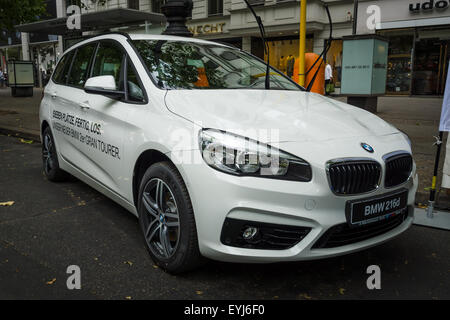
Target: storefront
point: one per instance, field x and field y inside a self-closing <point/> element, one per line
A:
<point x="235" y="25"/>
<point x="214" y="29"/>
<point x="42" y="53"/>
<point x="419" y="38"/>
<point x="284" y="52"/>
<point x="334" y="58"/>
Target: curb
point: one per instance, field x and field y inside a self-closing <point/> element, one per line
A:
<point x="25" y="134"/>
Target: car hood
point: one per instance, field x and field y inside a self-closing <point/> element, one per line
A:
<point x="284" y="115"/>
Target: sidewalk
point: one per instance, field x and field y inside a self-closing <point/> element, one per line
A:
<point x="417" y="116"/>
<point x="20" y="115"/>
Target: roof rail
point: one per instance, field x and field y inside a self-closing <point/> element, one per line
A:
<point x="111" y="32"/>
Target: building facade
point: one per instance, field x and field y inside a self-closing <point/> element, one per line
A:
<point x="419" y="38"/>
<point x="418" y="32"/>
<point x="40" y="48"/>
<point x="231" y="22"/>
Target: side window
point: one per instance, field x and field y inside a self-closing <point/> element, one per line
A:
<point x="80" y="65"/>
<point x="62" y="70"/>
<point x="134" y="89"/>
<point x="108" y="61"/>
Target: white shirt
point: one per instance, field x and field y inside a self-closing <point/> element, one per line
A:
<point x="328" y="72"/>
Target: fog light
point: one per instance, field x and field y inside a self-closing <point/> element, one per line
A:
<point x="258" y="235"/>
<point x="249" y="233"/>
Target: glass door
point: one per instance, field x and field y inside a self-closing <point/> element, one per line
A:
<point x="427" y="65"/>
<point x="399" y="71"/>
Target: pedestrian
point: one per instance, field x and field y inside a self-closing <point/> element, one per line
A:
<point x="2" y="79"/>
<point x="328" y="78"/>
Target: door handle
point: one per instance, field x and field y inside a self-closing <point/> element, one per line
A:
<point x="84" y="106"/>
<point x="53" y="95"/>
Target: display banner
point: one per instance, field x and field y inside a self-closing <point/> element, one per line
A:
<point x="445" y="113"/>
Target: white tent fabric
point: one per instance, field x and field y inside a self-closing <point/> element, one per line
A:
<point x="445" y="126"/>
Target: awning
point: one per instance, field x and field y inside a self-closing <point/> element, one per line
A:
<point x="99" y="20"/>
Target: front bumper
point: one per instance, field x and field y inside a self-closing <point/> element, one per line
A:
<point x="216" y="196"/>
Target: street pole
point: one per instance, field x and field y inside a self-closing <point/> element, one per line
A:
<point x="435" y="172"/>
<point x="176" y="12"/>
<point x="355" y="16"/>
<point x="301" y="56"/>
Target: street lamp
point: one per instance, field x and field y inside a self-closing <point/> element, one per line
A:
<point x="176" y="12"/>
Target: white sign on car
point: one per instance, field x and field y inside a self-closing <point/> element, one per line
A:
<point x="184" y="134"/>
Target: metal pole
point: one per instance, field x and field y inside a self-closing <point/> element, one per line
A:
<point x="435" y="172"/>
<point x="301" y="54"/>
<point x="176" y="13"/>
<point x="355" y="16"/>
<point x="39" y="67"/>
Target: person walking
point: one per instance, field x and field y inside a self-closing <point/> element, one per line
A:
<point x="328" y="77"/>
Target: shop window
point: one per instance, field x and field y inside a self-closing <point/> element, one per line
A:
<point x="215" y="7"/>
<point x="430" y="66"/>
<point x="334" y="58"/>
<point x="157" y="4"/>
<point x="133" y="4"/>
<point x="399" y="71"/>
<point x="284" y="54"/>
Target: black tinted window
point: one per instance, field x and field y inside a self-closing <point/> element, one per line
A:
<point x="108" y="61"/>
<point x="62" y="70"/>
<point x="80" y="65"/>
<point x="135" y="92"/>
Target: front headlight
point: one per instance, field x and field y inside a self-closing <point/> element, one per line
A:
<point x="242" y="156"/>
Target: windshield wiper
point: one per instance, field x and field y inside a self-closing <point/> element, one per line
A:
<point x="263" y="37"/>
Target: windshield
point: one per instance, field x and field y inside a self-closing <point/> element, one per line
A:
<point x="189" y="65"/>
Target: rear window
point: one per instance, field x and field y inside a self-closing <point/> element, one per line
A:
<point x="61" y="72"/>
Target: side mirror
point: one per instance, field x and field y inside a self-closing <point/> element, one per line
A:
<point x="103" y="85"/>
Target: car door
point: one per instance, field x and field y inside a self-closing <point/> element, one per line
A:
<point x="108" y="119"/>
<point x="69" y="114"/>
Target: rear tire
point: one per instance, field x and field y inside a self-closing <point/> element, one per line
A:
<point x="50" y="158"/>
<point x="167" y="219"/>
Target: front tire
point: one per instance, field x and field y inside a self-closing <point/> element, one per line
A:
<point x="167" y="219"/>
<point x="50" y="158"/>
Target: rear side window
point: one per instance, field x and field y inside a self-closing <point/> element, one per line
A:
<point x="80" y="65"/>
<point x="109" y="61"/>
<point x="61" y="72"/>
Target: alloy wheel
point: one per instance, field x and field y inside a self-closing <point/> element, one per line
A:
<point x="161" y="222"/>
<point x="47" y="154"/>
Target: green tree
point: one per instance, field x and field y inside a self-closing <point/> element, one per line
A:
<point x="86" y="4"/>
<point x="14" y="12"/>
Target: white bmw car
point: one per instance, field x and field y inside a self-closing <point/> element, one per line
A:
<point x="184" y="134"/>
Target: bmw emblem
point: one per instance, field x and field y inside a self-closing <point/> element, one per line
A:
<point x="367" y="147"/>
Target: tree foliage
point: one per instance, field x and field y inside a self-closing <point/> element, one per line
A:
<point x="87" y="4"/>
<point x="14" y="12"/>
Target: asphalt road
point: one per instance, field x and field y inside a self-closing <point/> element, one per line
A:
<point x="51" y="226"/>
